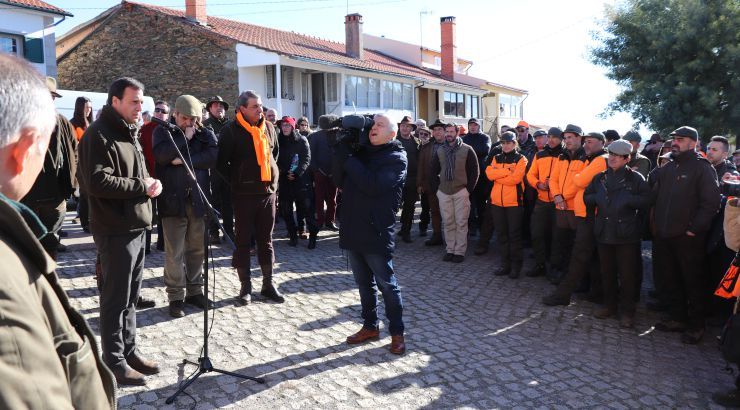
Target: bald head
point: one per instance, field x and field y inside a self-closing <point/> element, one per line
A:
<point x="27" y="118"/>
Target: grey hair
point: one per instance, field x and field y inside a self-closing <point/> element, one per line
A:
<point x="392" y="125"/>
<point x="245" y="97"/>
<point x="25" y="102"/>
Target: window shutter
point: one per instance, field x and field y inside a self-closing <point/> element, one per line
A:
<point x="286" y="78"/>
<point x="270" y="81"/>
<point x="33" y="50"/>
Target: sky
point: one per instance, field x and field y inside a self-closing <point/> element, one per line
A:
<point x="538" y="45"/>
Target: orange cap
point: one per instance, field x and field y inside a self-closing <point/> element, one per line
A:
<point x="522" y="123"/>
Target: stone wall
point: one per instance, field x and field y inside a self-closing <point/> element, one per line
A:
<point x="169" y="55"/>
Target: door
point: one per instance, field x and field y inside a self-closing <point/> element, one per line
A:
<point x="423" y="108"/>
<point x="318" y="97"/>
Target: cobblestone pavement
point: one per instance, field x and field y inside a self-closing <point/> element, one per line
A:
<point x="474" y="340"/>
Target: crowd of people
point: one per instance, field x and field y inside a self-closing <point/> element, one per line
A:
<point x="584" y="202"/>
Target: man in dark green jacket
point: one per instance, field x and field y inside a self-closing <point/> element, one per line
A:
<point x="113" y="174"/>
<point x="48" y="355"/>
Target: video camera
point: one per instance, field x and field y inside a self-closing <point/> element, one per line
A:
<point x="354" y="130"/>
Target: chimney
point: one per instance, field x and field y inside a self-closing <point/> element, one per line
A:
<point x="353" y="35"/>
<point x="195" y="10"/>
<point x="449" y="50"/>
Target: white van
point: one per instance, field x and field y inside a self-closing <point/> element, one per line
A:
<point x="66" y="104"/>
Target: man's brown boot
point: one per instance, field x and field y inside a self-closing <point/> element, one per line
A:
<point x="398" y="345"/>
<point x="142" y="365"/>
<point x="126" y="376"/>
<point x="268" y="289"/>
<point x="245" y="293"/>
<point x="363" y="335"/>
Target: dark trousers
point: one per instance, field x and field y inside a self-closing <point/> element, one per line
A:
<point x="51" y="214"/>
<point x="434" y="213"/>
<point x="325" y="193"/>
<point x="83" y="211"/>
<point x="373" y="272"/>
<point x="254" y="218"/>
<point x="683" y="257"/>
<point x="410" y="196"/>
<point x="564" y="232"/>
<point x="583" y="260"/>
<point x="487" y="226"/>
<point x="478" y="204"/>
<point x="543" y="219"/>
<point x="221" y="194"/>
<point x="304" y="203"/>
<point x="122" y="265"/>
<point x="620" y="272"/>
<point x="425" y="216"/>
<point x="508" y="221"/>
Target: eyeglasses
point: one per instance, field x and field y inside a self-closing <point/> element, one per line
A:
<point x="161" y="110"/>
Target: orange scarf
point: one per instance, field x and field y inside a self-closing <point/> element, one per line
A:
<point x="261" y="146"/>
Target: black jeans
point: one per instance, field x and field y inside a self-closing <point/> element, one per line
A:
<point x="426" y="213"/>
<point x="619" y="275"/>
<point x="583" y="260"/>
<point x="304" y="206"/>
<point x="478" y="203"/>
<point x="410" y="196"/>
<point x="508" y="221"/>
<point x="682" y="262"/>
<point x="51" y="214"/>
<point x="543" y="219"/>
<point x="254" y="219"/>
<point x="122" y="265"/>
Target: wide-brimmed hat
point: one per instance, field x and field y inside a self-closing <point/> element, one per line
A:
<point x="407" y="120"/>
<point x="437" y="123"/>
<point x="51" y="84"/>
<point x="217" y="99"/>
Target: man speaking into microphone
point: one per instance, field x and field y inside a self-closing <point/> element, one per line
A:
<point x="181" y="206"/>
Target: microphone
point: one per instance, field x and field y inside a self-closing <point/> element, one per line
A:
<point x="165" y="124"/>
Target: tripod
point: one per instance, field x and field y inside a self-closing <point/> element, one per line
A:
<point x="204" y="361"/>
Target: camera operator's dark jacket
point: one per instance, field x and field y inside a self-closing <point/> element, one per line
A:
<point x="412" y="146"/>
<point x="237" y="160"/>
<point x="371" y="195"/>
<point x="321" y="155"/>
<point x="481" y="144"/>
<point x="686" y="196"/>
<point x="111" y="172"/>
<point x="291" y="145"/>
<point x="620" y="200"/>
<point x="716" y="236"/>
<point x="177" y="186"/>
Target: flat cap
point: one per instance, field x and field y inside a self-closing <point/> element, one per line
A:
<point x="620" y="147"/>
<point x="573" y="129"/>
<point x="597" y="135"/>
<point x="687" y="132"/>
<point x="632" y="136"/>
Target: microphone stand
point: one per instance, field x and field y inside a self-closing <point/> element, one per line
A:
<point x="205" y="365"/>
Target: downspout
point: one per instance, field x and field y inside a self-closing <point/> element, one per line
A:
<point x="521" y="107"/>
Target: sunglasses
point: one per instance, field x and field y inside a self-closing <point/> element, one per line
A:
<point x="424" y="134"/>
<point x="303" y="125"/>
<point x="520" y="129"/>
<point x="161" y="110"/>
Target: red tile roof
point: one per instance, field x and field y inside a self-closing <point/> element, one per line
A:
<point x="36" y="5"/>
<point x="306" y="47"/>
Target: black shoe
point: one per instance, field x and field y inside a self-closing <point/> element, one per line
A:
<point x="63" y="234"/>
<point x="330" y="226"/>
<point x="406" y="237"/>
<point x="503" y="271"/>
<point x="657" y="306"/>
<point x="176" y="308"/>
<point x="448" y="257"/>
<point x="458" y="258"/>
<point x="555" y="299"/>
<point x="86" y="228"/>
<point x="293" y="241"/>
<point x="434" y="241"/>
<point x="692" y="337"/>
<point x="199" y="301"/>
<point x="312" y="242"/>
<point x="480" y="250"/>
<point x="61" y="247"/>
<point x="160" y="246"/>
<point x="270" y="292"/>
<point x="422" y="231"/>
<point x="538" y="270"/>
<point x="670" y="325"/>
<point x="730" y="399"/>
<point x="144" y="303"/>
<point x="515" y="272"/>
<point x="245" y="293"/>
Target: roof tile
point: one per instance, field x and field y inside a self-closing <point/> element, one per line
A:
<point x="38" y="5"/>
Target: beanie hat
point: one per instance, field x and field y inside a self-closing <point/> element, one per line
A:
<point x="189" y="105"/>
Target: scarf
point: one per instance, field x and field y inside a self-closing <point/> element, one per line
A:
<point x="261" y="146"/>
<point x="450" y="151"/>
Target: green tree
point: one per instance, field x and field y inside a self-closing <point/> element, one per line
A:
<point x="677" y="62"/>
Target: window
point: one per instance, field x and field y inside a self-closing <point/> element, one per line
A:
<point x="361" y="92"/>
<point x="509" y="105"/>
<point x="332" y="88"/>
<point x="9" y="44"/>
<point x="286" y="83"/>
<point x="472" y="104"/>
<point x="454" y="104"/>
<point x="270" y="81"/>
<point x="408" y="98"/>
<point x="387" y="94"/>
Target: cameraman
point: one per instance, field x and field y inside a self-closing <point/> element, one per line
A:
<point x="371" y="180"/>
